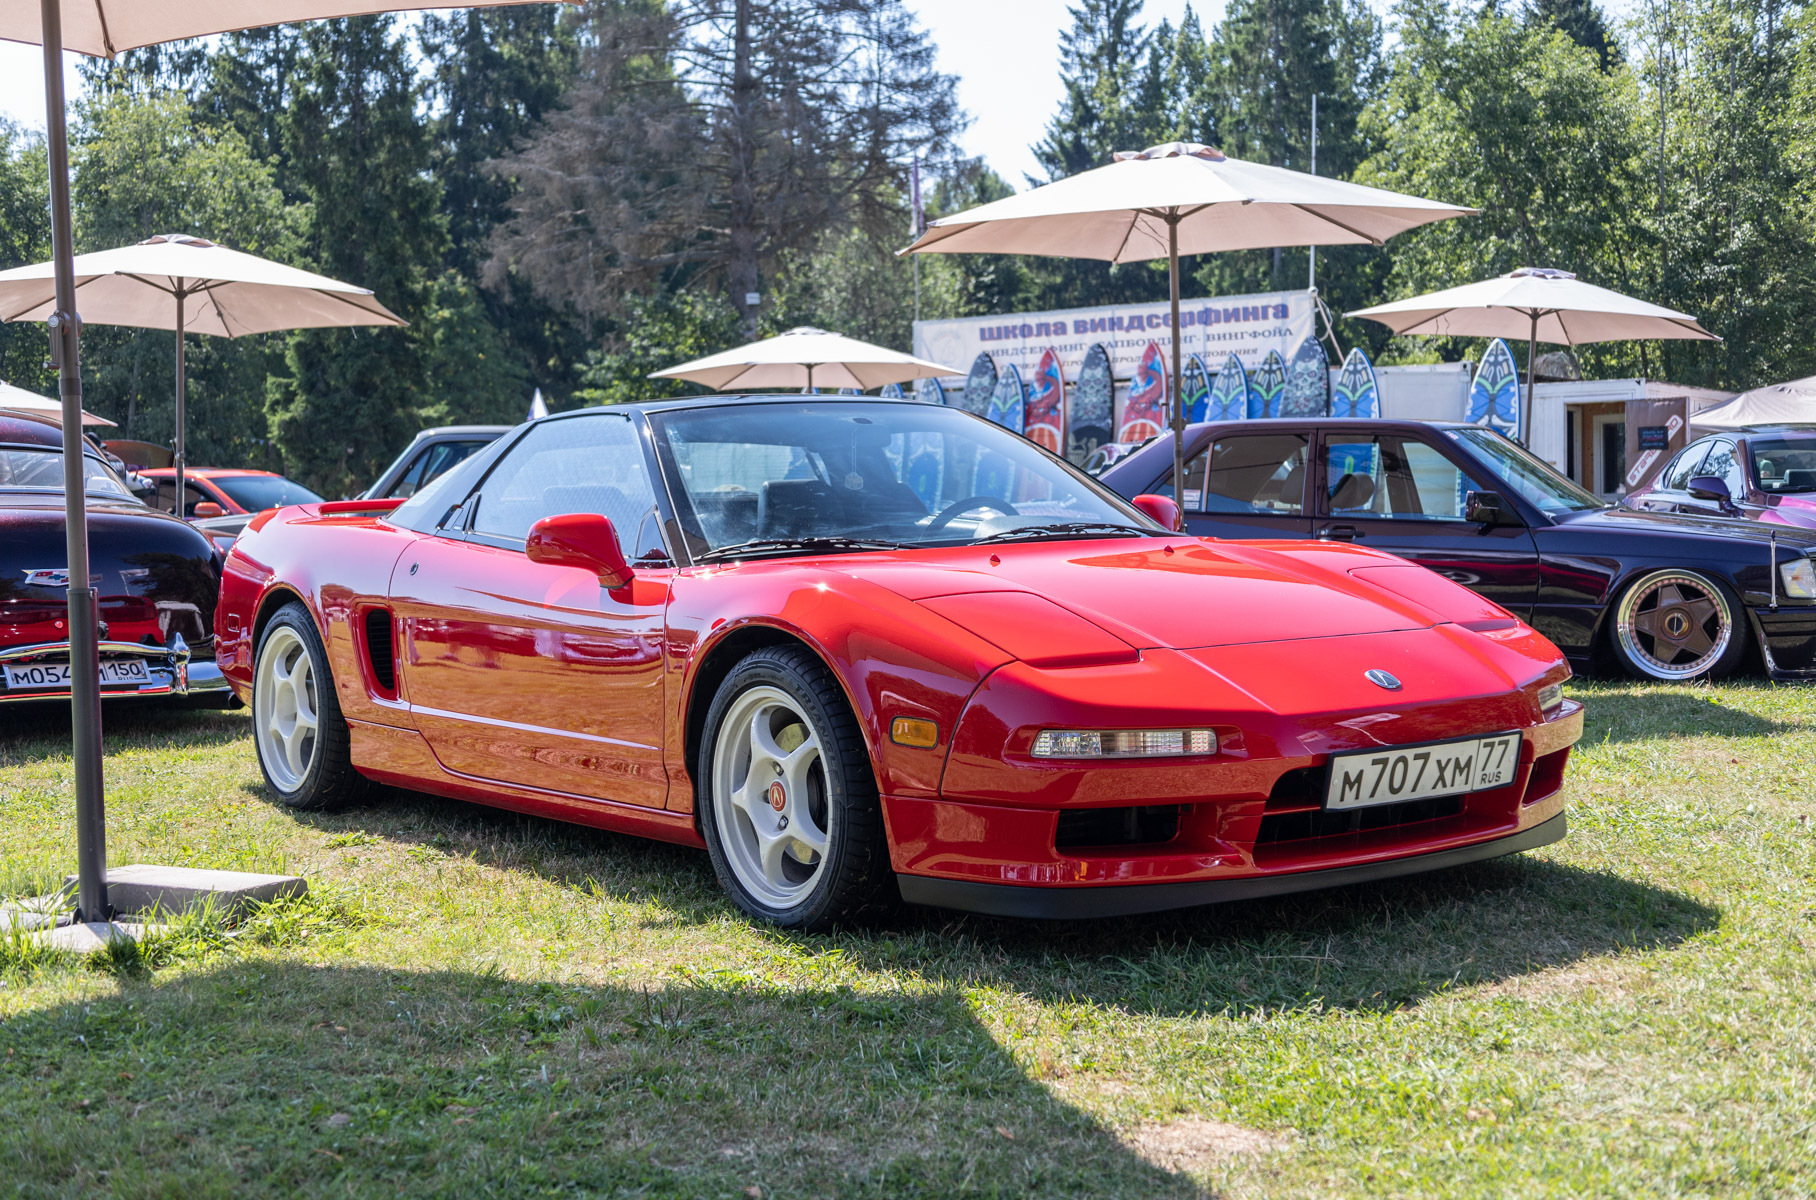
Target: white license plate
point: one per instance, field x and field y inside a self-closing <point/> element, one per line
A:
<point x="56" y="675"/>
<point x="1395" y="773"/>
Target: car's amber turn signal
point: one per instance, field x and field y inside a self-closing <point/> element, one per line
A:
<point x="912" y="731"/>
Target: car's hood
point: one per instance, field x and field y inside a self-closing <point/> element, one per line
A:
<point x="1182" y="593"/>
<point x="1627" y="520"/>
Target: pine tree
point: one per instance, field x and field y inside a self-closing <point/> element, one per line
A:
<point x="348" y="399"/>
<point x="1103" y="60"/>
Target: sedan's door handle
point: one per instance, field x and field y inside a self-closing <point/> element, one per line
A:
<point x="1339" y="533"/>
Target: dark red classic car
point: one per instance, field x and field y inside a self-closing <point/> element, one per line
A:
<point x="157" y="577"/>
<point x="866" y="649"/>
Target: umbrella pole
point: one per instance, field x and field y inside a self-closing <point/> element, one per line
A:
<point x="84" y="640"/>
<point x="1178" y="399"/>
<point x="182" y="414"/>
<point x="1532" y="347"/>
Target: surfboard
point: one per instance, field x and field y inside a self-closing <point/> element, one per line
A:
<point x="1009" y="402"/>
<point x="1266" y="386"/>
<point x="1045" y="423"/>
<point x="980" y="385"/>
<point x="1144" y="411"/>
<point x="925" y="473"/>
<point x="1494" y="397"/>
<point x="891" y="391"/>
<point x="1307" y="382"/>
<point x="1229" y="393"/>
<point x="929" y="391"/>
<point x="1195" y="384"/>
<point x="1092" y="398"/>
<point x="1357" y="394"/>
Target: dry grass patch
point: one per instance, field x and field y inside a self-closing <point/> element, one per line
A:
<point x="1199" y="1143"/>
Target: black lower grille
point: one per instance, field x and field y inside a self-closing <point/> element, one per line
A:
<point x="1317" y="823"/>
<point x="379" y="650"/>
<point x="1147" y="824"/>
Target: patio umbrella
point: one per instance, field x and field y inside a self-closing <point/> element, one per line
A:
<point x="1792" y="403"/>
<point x="17" y="399"/>
<point x="1180" y="198"/>
<point x="104" y="28"/>
<point x="805" y="358"/>
<point x="191" y="285"/>
<point x="1544" y="304"/>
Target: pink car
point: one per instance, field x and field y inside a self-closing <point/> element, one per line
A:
<point x="1761" y="473"/>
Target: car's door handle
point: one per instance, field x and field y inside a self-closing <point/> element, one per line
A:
<point x="1339" y="533"/>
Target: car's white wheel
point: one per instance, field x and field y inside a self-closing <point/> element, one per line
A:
<point x="302" y="741"/>
<point x="786" y="795"/>
<point x="1677" y="625"/>
<point x="285" y="709"/>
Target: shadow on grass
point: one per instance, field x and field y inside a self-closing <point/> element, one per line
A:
<point x="36" y="731"/>
<point x="291" y="1079"/>
<point x="1367" y="947"/>
<point x="1665" y="711"/>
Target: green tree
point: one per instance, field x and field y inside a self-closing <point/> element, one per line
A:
<point x="24" y="239"/>
<point x="345" y="400"/>
<point x="1104" y="60"/>
<point x="142" y="165"/>
<point x="1582" y="21"/>
<point x="1521" y="122"/>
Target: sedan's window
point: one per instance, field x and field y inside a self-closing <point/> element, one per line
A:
<point x="1387" y="475"/>
<point x="255" y="493"/>
<point x="1258" y="473"/>
<point x="574" y="465"/>
<point x="1513" y="466"/>
<point x="1682" y="469"/>
<point x="430" y="463"/>
<point x="1784" y="464"/>
<point x="43" y="469"/>
<point x="1724" y="464"/>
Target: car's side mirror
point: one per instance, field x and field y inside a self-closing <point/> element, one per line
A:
<point x="1484" y="508"/>
<point x="585" y="540"/>
<point x="1710" y="487"/>
<point x="208" y="508"/>
<point x="1161" y="508"/>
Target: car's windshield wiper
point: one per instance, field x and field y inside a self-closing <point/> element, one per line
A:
<point x="809" y="545"/>
<point x="1069" y="529"/>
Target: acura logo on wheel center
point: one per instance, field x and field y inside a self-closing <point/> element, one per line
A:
<point x="1381" y="678"/>
<point x="778" y="795"/>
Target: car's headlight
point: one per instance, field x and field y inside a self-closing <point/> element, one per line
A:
<point x="1799" y="578"/>
<point x="1123" y="743"/>
<point x="1551" y="697"/>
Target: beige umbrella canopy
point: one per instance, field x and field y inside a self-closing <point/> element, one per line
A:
<point x="104" y="28"/>
<point x="17" y="399"/>
<point x="191" y="285"/>
<point x="1792" y="403"/>
<point x="1180" y="198"/>
<point x="1541" y="305"/>
<point x="806" y="358"/>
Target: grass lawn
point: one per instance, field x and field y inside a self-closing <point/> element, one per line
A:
<point x="473" y="1003"/>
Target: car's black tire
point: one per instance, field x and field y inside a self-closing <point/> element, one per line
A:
<point x="828" y="794"/>
<point x="309" y="767"/>
<point x="1676" y="625"/>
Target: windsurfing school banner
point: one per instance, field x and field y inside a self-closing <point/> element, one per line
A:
<point x="1247" y="327"/>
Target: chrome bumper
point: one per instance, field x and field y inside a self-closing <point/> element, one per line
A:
<point x="172" y="671"/>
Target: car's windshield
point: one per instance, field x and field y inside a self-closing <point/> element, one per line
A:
<point x="907" y="474"/>
<point x="43" y="470"/>
<point x="1526" y="473"/>
<point x="255" y="493"/>
<point x="1784" y="464"/>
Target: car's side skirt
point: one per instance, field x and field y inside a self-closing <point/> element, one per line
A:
<point x="1072" y="903"/>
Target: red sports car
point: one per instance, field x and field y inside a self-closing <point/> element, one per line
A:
<point x="857" y="649"/>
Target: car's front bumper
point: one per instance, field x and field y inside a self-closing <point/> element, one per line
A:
<point x="173" y="672"/>
<point x="1063" y="903"/>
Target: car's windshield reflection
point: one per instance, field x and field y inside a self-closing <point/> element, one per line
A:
<point x="825" y="477"/>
